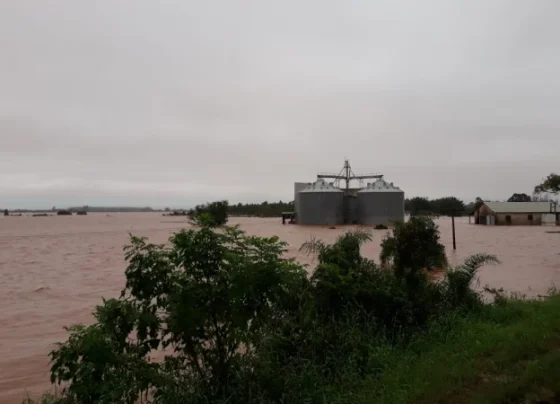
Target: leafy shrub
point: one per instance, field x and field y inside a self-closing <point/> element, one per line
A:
<point x="380" y="227"/>
<point x="211" y="297"/>
<point x="398" y="297"/>
<point x="352" y="312"/>
<point x="345" y="281"/>
<point x="245" y="325"/>
<point x="458" y="280"/>
<point x="210" y="214"/>
<point x="414" y="245"/>
<point x="446" y="206"/>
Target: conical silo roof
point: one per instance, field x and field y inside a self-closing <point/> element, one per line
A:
<point x="320" y="186"/>
<point x="380" y="186"/>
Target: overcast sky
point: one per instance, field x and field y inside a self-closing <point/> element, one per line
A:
<point x="172" y="103"/>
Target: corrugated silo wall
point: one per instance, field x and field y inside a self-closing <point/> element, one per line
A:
<point x="320" y="208"/>
<point x="380" y="207"/>
<point x="298" y="186"/>
<point x="350" y="209"/>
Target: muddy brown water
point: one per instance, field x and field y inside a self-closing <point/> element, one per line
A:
<point x="54" y="270"/>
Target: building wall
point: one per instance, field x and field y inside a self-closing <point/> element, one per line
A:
<point x="487" y="216"/>
<point x="549" y="218"/>
<point x="482" y="213"/>
<point x="519" y="219"/>
<point x="500" y="219"/>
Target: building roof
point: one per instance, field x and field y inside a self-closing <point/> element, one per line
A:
<point x="381" y="186"/>
<point x="520" y="207"/>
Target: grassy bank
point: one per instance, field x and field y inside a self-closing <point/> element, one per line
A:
<point x="507" y="353"/>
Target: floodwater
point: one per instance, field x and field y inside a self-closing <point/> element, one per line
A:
<point x="54" y="270"/>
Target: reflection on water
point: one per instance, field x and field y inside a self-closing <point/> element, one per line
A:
<point x="53" y="270"/>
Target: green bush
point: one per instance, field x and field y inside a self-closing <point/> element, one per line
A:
<point x="243" y="324"/>
<point x="446" y="206"/>
<point x="209" y="214"/>
<point x="352" y="314"/>
<point x="211" y="297"/>
<point x="414" y="245"/>
<point x="458" y="281"/>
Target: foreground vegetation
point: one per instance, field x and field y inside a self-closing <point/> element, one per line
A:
<point x="507" y="353"/>
<point x="242" y="324"/>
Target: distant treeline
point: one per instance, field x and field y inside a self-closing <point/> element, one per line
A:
<point x="264" y="209"/>
<point x="414" y="206"/>
<point x="446" y="206"/>
<point x="450" y="205"/>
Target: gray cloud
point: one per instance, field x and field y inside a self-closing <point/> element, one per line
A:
<point x="178" y="102"/>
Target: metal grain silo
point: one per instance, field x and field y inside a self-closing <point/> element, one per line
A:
<point x="320" y="204"/>
<point x="298" y="186"/>
<point x="380" y="203"/>
<point x="350" y="209"/>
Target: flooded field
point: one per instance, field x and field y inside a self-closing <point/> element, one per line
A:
<point x="53" y="270"/>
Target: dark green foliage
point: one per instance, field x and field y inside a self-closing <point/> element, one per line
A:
<point x="417" y="206"/>
<point x="345" y="252"/>
<point x="210" y="214"/>
<point x="503" y="353"/>
<point x="353" y="313"/>
<point x="519" y="198"/>
<point x="265" y="209"/>
<point x="100" y="363"/>
<point x="472" y="207"/>
<point x="477" y="204"/>
<point x="448" y="206"/>
<point x="458" y="280"/>
<point x="210" y="298"/>
<point x="445" y="206"/>
<point x="550" y="184"/>
<point x="380" y="227"/>
<point x="414" y="245"/>
<point x="343" y="277"/>
<point x="241" y="324"/>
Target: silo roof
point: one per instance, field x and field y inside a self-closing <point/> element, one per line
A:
<point x="320" y="186"/>
<point x="381" y="186"/>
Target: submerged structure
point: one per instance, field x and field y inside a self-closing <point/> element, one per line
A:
<point x="517" y="213"/>
<point x="327" y="203"/>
